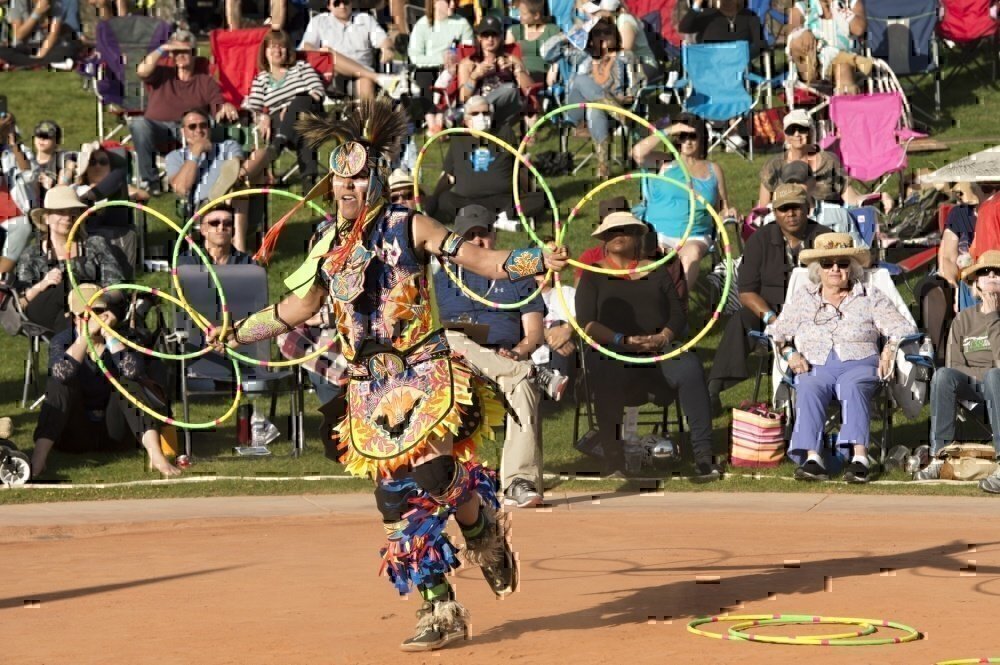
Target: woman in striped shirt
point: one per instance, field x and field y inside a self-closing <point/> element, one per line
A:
<point x="282" y="91"/>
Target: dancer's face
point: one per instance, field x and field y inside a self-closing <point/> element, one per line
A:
<point x="350" y="193"/>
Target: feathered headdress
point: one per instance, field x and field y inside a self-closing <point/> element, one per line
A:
<point x="370" y="135"/>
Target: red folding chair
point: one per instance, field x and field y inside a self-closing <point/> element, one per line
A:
<point x="969" y="27"/>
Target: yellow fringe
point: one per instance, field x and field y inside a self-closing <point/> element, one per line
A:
<point x="465" y="385"/>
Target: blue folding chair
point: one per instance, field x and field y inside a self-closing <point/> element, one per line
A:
<point x="716" y="78"/>
<point x="769" y="16"/>
<point x="902" y="33"/>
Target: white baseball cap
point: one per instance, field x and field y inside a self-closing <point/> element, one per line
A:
<point x="603" y="6"/>
<point x="798" y="117"/>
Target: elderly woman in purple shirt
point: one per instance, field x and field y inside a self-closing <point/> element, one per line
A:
<point x="829" y="333"/>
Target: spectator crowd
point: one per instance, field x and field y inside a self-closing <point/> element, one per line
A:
<point x="807" y="285"/>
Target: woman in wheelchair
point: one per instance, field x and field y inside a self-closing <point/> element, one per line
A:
<point x="972" y="360"/>
<point x="828" y="333"/>
<point x="639" y="314"/>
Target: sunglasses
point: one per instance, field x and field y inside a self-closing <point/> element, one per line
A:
<point x="216" y="223"/>
<point x="185" y="51"/>
<point x="100" y="161"/>
<point x="44" y="136"/>
<point x="477" y="233"/>
<point x="339" y="3"/>
<point x="682" y="137"/>
<point x="797" y="129"/>
<point x="789" y="207"/>
<point x="399" y="198"/>
<point x="475" y="113"/>
<point x="843" y="264"/>
<point x="191" y="126"/>
<point x="489" y="35"/>
<point x="993" y="272"/>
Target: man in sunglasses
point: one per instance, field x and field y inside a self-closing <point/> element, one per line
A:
<point x="512" y="335"/>
<point x="202" y="171"/>
<point x="354" y="34"/>
<point x="217" y="228"/>
<point x="768" y="259"/>
<point x="82" y="411"/>
<point x="174" y="89"/>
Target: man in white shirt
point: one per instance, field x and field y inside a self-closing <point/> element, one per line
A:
<point x="350" y="33"/>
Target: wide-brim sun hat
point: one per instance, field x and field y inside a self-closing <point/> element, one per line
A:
<point x="988" y="259"/>
<point x="835" y="246"/>
<point x="61" y="197"/>
<point x="618" y="220"/>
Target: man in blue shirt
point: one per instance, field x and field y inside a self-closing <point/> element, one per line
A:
<point x="512" y="337"/>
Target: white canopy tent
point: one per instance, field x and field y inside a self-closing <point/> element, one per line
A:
<point x="983" y="166"/>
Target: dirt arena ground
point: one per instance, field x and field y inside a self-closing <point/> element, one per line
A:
<point x="605" y="579"/>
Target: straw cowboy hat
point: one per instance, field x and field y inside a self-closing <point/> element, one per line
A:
<point x="835" y="246"/>
<point x="58" y="198"/>
<point x="617" y="220"/>
<point x="989" y="259"/>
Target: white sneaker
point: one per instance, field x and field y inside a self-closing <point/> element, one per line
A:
<point x="931" y="472"/>
<point x="63" y="66"/>
<point x="391" y="85"/>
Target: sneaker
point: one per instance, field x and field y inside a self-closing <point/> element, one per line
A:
<point x="930" y="472"/>
<point x="990" y="484"/>
<point x="553" y="384"/>
<point x="153" y="187"/>
<point x="856" y="473"/>
<point x="811" y="470"/>
<point x="522" y="493"/>
<point x="62" y="66"/>
<point x="228" y="175"/>
<point x="706" y="472"/>
<point x="438" y="625"/>
<point x="6" y="428"/>
<point x="391" y="85"/>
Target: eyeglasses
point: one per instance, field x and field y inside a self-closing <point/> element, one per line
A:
<point x="843" y="264"/>
<point x="797" y="129"/>
<point x="191" y="126"/>
<point x="99" y="161"/>
<point x="824" y="317"/>
<point x="224" y="223"/>
<point x="682" y="137"/>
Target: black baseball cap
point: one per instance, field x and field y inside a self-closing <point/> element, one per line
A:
<point x="490" y="24"/>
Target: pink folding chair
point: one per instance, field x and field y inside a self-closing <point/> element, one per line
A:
<point x="871" y="135"/>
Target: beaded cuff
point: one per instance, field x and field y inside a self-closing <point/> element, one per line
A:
<point x="524" y="263"/>
<point x="451" y="244"/>
<point x="265" y="324"/>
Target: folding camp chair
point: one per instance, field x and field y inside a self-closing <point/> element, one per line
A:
<point x="716" y="77"/>
<point x="906" y="389"/>
<point x="869" y="131"/>
<point x="245" y="287"/>
<point x="773" y="22"/>
<point x="660" y="17"/>
<point x="234" y="60"/>
<point x="122" y="43"/>
<point x="966" y="28"/>
<point x="901" y="33"/>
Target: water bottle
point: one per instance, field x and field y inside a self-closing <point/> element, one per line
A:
<point x="243" y="428"/>
<point x="896" y="458"/>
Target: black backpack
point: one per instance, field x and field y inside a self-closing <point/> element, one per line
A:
<point x="917" y="217"/>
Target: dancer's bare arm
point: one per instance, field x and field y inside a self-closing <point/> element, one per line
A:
<point x="429" y="234"/>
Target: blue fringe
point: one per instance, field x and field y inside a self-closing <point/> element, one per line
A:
<point x="420" y="553"/>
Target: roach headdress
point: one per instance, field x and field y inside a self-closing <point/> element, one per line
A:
<point x="370" y="135"/>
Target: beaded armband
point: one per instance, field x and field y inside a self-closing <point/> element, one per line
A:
<point x="451" y="244"/>
<point x="524" y="263"/>
<point x="265" y="324"/>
